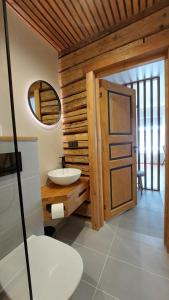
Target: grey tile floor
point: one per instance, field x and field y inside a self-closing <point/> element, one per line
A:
<point x="126" y="259"/>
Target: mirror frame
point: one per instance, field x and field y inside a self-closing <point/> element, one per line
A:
<point x="29" y="102"/>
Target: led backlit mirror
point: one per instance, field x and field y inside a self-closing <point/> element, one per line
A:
<point x="44" y="102"/>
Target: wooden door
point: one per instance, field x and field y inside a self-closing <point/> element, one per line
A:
<point x="118" y="136"/>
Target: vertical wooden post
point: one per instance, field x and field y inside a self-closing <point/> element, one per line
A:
<point x="138" y="122"/>
<point x="94" y="167"/>
<point x="166" y="219"/>
<point x="159" y="123"/>
<point x="145" y="138"/>
<point x="151" y="122"/>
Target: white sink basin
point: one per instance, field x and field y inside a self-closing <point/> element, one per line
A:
<point x="64" y="176"/>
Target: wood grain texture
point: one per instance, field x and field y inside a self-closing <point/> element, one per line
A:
<point x="119" y="174"/>
<point x="123" y="49"/>
<point x="67" y="25"/>
<point x="149" y="25"/>
<point x="71" y="196"/>
<point x="93" y="152"/>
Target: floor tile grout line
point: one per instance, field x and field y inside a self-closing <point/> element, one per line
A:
<point x="106" y="293"/>
<point x="137" y="267"/>
<point x="107" y="257"/>
<point x="98" y="289"/>
<point x="92" y="249"/>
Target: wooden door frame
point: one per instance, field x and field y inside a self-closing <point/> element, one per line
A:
<point x="93" y="74"/>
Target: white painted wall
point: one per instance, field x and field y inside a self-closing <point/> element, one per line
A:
<point x="32" y="59"/>
<point x="10" y="218"/>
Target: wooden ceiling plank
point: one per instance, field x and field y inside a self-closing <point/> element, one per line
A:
<point x="128" y="8"/>
<point x="158" y="19"/>
<point x="69" y="17"/>
<point x="32" y="16"/>
<point x="25" y="6"/>
<point x="82" y="15"/>
<point x="136" y="6"/>
<point x="76" y="17"/>
<point x="23" y="15"/>
<point x="88" y="13"/>
<point x="94" y="12"/>
<point x="121" y="9"/>
<point x="57" y="23"/>
<point x="142" y="5"/>
<point x="64" y="19"/>
<point x="115" y="11"/>
<point x="101" y="12"/>
<point x="108" y="11"/>
<point x="149" y="3"/>
<point x="35" y="7"/>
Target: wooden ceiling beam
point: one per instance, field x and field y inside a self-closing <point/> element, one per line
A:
<point x="115" y="12"/>
<point x="72" y="21"/>
<point x="102" y="13"/>
<point x="39" y="12"/>
<point x="69" y="25"/>
<point x="80" y="11"/>
<point x="24" y="15"/>
<point x="65" y="21"/>
<point x="96" y="16"/>
<point x="53" y="19"/>
<point x="121" y="8"/>
<point x="120" y="25"/>
<point x="110" y="15"/>
<point x="34" y="15"/>
<point x="75" y="16"/>
<point x="90" y="16"/>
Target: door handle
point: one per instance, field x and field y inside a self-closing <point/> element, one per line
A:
<point x="135" y="148"/>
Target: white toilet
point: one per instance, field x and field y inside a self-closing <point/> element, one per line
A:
<point x="56" y="270"/>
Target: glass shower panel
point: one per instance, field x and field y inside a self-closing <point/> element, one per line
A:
<point x="13" y="268"/>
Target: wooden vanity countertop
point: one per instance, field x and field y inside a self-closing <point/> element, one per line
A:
<point x="72" y="196"/>
<point x="56" y="193"/>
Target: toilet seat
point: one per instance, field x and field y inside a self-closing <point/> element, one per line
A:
<point x="56" y="268"/>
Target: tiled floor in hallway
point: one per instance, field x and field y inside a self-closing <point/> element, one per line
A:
<point x="126" y="259"/>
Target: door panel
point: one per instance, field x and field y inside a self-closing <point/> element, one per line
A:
<point x="117" y="117"/>
<point x="119" y="113"/>
<point x="120" y="177"/>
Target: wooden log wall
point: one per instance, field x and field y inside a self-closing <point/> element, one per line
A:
<point x="133" y="40"/>
<point x="49" y="104"/>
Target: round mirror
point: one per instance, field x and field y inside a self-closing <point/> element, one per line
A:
<point x="44" y="102"/>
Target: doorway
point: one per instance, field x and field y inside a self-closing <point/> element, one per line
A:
<point x="148" y="81"/>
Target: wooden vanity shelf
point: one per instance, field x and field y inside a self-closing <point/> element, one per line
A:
<point x="72" y="196"/>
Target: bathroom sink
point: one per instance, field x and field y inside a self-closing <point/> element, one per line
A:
<point x="64" y="176"/>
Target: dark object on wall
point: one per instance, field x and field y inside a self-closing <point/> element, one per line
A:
<point x="8" y="163"/>
<point x="73" y="144"/>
